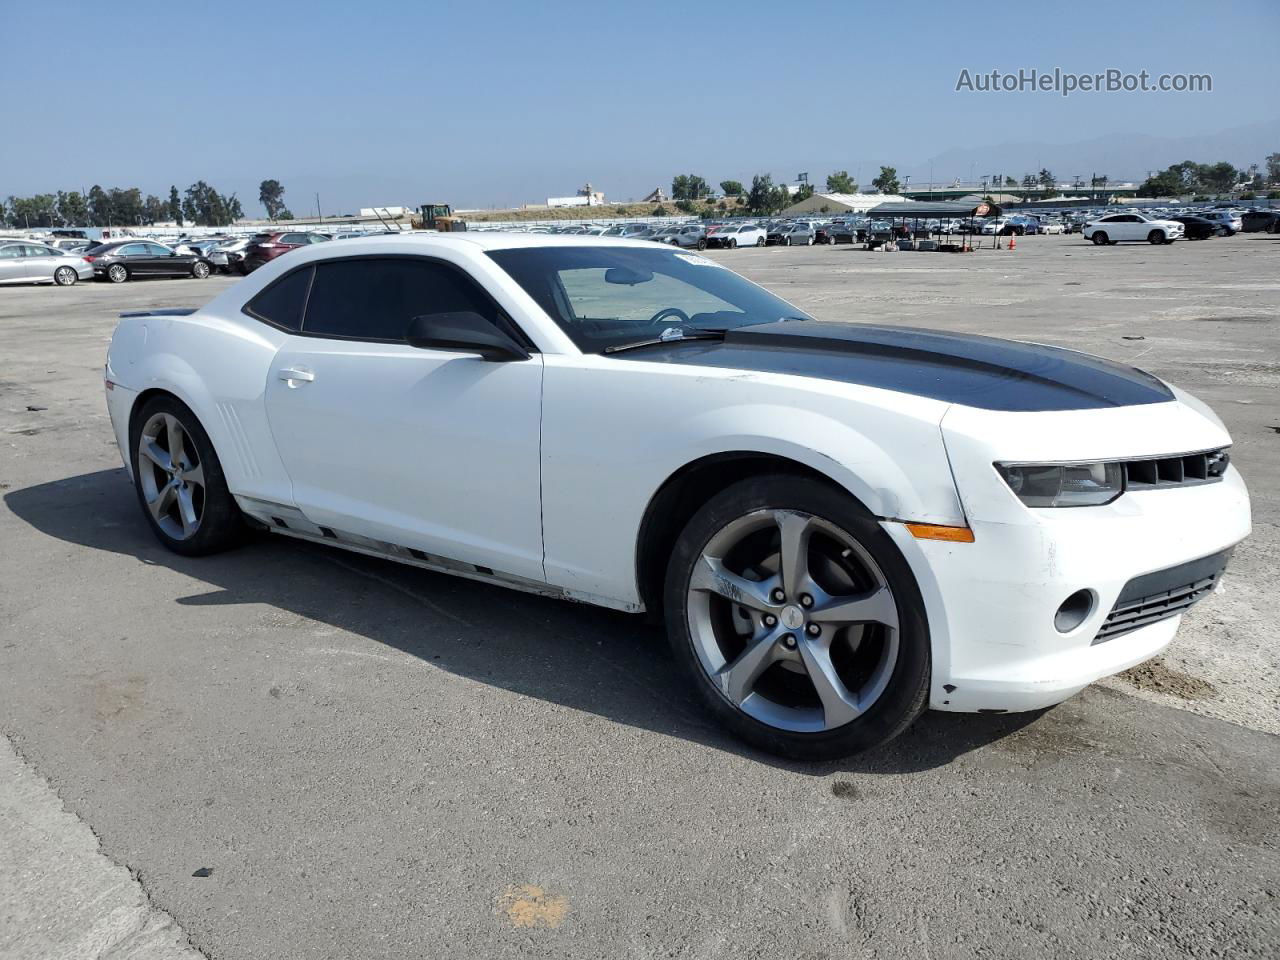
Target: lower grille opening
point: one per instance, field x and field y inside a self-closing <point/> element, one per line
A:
<point x="1158" y="596"/>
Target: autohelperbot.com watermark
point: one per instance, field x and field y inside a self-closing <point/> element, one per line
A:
<point x="1065" y="83"/>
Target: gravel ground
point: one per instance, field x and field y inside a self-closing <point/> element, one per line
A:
<point x="376" y="761"/>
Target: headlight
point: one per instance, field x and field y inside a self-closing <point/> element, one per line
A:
<point x="1063" y="484"/>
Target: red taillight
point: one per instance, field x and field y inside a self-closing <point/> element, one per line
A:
<point x="89" y="259"/>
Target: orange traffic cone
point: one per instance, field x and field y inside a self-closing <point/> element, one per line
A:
<point x="1013" y="241"/>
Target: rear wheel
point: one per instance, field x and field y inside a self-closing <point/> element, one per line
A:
<point x="702" y="243"/>
<point x="733" y="243"/>
<point x="1100" y="239"/>
<point x="179" y="480"/>
<point x="200" y="270"/>
<point x="760" y="242"/>
<point x="65" y="276"/>
<point x="786" y="241"/>
<point x="117" y="273"/>
<point x="798" y="619"/>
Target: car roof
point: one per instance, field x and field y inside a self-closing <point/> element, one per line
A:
<point x="488" y="240"/>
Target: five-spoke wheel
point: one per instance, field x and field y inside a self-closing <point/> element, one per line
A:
<point x="799" y="618"/>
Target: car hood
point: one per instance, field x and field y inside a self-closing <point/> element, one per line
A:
<point x="982" y="372"/>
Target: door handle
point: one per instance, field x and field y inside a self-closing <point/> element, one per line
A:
<point x="293" y="375"/>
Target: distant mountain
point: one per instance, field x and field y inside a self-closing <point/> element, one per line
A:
<point x="1120" y="157"/>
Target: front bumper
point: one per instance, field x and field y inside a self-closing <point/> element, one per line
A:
<point x="992" y="603"/>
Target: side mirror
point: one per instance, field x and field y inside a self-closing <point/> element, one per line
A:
<point x="464" y="332"/>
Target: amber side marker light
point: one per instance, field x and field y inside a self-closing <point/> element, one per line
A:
<point x="932" y="531"/>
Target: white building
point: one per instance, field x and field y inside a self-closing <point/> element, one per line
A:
<point x="586" y="197"/>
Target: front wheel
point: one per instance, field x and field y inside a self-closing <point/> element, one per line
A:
<point x="733" y="243"/>
<point x="117" y="273"/>
<point x="200" y="270"/>
<point x="179" y="480"/>
<point x="65" y="276"/>
<point x="760" y="242"/>
<point x="798" y="619"/>
<point x="786" y="241"/>
<point x="1100" y="239"/>
<point x="1155" y="236"/>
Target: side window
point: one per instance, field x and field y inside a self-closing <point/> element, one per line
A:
<point x="155" y="250"/>
<point x="34" y="251"/>
<point x="11" y="252"/>
<point x="281" y="303"/>
<point x="317" y="238"/>
<point x="374" y="299"/>
<point x="132" y="250"/>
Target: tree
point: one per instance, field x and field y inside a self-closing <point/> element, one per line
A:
<point x="764" y="198"/>
<point x="887" y="182"/>
<point x="175" y="206"/>
<point x="72" y="209"/>
<point x="804" y="193"/>
<point x="154" y="209"/>
<point x="685" y="205"/>
<point x="271" y="196"/>
<point x="1009" y="181"/>
<point x="841" y="182"/>
<point x="660" y="211"/>
<point x="687" y="186"/>
<point x="732" y="188"/>
<point x="285" y="214"/>
<point x="99" y="207"/>
<point x="204" y="206"/>
<point x="1046" y="180"/>
<point x="1272" y="160"/>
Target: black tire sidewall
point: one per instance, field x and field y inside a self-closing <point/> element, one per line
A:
<point x="222" y="524"/>
<point x="903" y="699"/>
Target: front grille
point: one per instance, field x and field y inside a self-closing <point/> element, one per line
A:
<point x="1158" y="596"/>
<point x="1191" y="468"/>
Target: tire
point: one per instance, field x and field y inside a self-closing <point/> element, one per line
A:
<point x="213" y="522"/>
<point x="760" y="242"/>
<point x="1100" y="239"/>
<point x="117" y="273"/>
<point x="200" y="270"/>
<point x="711" y="627"/>
<point x="702" y="244"/>
<point x="1155" y="236"/>
<point x="733" y="243"/>
<point x="809" y="242"/>
<point x="786" y="241"/>
<point x="65" y="276"/>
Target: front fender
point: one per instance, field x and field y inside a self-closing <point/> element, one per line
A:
<point x="614" y="432"/>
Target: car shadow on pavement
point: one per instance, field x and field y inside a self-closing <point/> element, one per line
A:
<point x="606" y="663"/>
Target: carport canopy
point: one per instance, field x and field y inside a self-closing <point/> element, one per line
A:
<point x="932" y="210"/>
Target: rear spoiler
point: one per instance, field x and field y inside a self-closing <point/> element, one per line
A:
<point x="171" y="312"/>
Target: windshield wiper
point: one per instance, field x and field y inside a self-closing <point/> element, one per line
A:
<point x="655" y="341"/>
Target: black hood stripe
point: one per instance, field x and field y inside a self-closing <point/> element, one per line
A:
<point x="976" y="371"/>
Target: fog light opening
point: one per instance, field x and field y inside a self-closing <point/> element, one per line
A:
<point x="1074" y="611"/>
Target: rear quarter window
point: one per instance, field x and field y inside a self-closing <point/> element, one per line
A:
<point x="282" y="303"/>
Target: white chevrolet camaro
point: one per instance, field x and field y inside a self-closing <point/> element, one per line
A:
<point x="841" y="524"/>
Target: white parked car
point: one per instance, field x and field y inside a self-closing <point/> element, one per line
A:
<point x="737" y="235"/>
<point x="841" y="524"/>
<point x="1051" y="227"/>
<point x="1132" y="226"/>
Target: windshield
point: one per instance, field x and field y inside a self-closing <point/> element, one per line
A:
<point x="605" y="297"/>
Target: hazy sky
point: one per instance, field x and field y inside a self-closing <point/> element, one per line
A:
<point x="498" y="103"/>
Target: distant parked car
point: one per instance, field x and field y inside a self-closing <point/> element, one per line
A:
<point x="1196" y="228"/>
<point x="67" y="244"/>
<point x="737" y="235"/>
<point x="1049" y="227"/>
<point x="1132" y="226"/>
<point x="1259" y="221"/>
<point x="265" y="247"/>
<point x="123" y="260"/>
<point x="25" y="261"/>
<point x="1228" y="221"/>
<point x="790" y="235"/>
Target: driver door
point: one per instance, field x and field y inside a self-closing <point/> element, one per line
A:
<point x="427" y="449"/>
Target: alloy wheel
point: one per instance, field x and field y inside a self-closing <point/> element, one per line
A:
<point x="171" y="476"/>
<point x="64" y="276"/>
<point x="116" y="273"/>
<point x="792" y="620"/>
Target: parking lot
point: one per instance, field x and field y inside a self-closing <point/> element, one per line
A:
<point x="377" y="761"/>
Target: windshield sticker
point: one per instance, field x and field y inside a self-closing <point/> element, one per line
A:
<point x="697" y="261"/>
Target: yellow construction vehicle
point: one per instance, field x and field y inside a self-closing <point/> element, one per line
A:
<point x="439" y="216"/>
